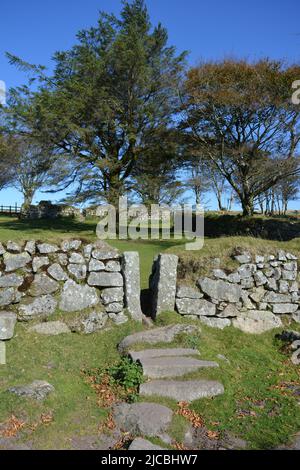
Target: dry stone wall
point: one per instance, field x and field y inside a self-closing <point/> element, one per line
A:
<point x="37" y="279"/>
<point x="252" y="298"/>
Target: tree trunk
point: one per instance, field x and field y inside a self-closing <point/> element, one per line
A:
<point x="247" y="206"/>
<point x="28" y="197"/>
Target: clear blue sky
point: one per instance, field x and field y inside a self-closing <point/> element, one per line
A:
<point x="209" y="29"/>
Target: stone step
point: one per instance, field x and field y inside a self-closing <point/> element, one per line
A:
<point x="188" y="391"/>
<point x="170" y="352"/>
<point x="164" y="334"/>
<point x="143" y="444"/>
<point x="160" y="367"/>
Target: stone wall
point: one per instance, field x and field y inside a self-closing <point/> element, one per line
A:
<point x="37" y="279"/>
<point x="47" y="210"/>
<point x="253" y="298"/>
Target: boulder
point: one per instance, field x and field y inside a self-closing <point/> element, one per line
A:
<point x="289" y="275"/>
<point x="95" y="265"/>
<point x="281" y="256"/>
<point x="2" y="249"/>
<point x="219" y="274"/>
<point x="57" y="272"/>
<point x="184" y="292"/>
<point x="169" y="352"/>
<point x="11" y="280"/>
<point x="275" y="298"/>
<point x="197" y="307"/>
<point x="43" y="285"/>
<point x="235" y="278"/>
<point x="112" y="294"/>
<point x="7" y="325"/>
<point x="118" y="318"/>
<point x="220" y="290"/>
<point x="76" y="258"/>
<point x="103" y="255"/>
<point x="257" y="321"/>
<point x="219" y="323"/>
<point x="146" y="419"/>
<point x="46" y="248"/>
<point x="164" y="334"/>
<point x="247" y="270"/>
<point x="104" y="279"/>
<point x="89" y="323"/>
<point x="13" y="246"/>
<point x="78" y="271"/>
<point x="37" y="390"/>
<point x="230" y="311"/>
<point x="39" y="262"/>
<point x="296" y="316"/>
<point x="115" y="307"/>
<point x="12" y="262"/>
<point x="142" y="444"/>
<point x="243" y="258"/>
<point x="284" y="308"/>
<point x="259" y="278"/>
<point x="161" y="367"/>
<point x="43" y="306"/>
<point x="30" y="247"/>
<point x="68" y="245"/>
<point x="257" y="295"/>
<point x="163" y="283"/>
<point x="113" y="266"/>
<point x="76" y="297"/>
<point x="284" y="287"/>
<point x="132" y="287"/>
<point x="9" y="296"/>
<point x="62" y="259"/>
<point x="186" y="391"/>
<point x="51" y="328"/>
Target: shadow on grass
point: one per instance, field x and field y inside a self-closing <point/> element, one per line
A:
<point x="63" y="224"/>
<point x="269" y="228"/>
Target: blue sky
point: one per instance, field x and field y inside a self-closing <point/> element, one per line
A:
<point x="209" y="29"/>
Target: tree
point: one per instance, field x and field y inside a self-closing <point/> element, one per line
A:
<point x="108" y="98"/>
<point x="239" y="114"/>
<point x="31" y="169"/>
<point x="7" y="157"/>
<point x="155" y="178"/>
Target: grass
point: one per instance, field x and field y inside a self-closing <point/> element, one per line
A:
<point x="193" y="264"/>
<point x="60" y="361"/>
<point x="255" y="406"/>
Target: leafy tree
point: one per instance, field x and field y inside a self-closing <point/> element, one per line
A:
<point x="240" y="115"/>
<point x="155" y="178"/>
<point x="7" y="157"/>
<point x="31" y="169"/>
<point x="109" y="97"/>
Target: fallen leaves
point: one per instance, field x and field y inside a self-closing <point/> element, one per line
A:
<point x="194" y="418"/>
<point x="108" y="424"/>
<point x="11" y="427"/>
<point x="214" y="435"/>
<point x="106" y="394"/>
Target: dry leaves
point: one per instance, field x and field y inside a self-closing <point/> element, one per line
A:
<point x="193" y="417"/>
<point x="179" y="446"/>
<point x="108" y="424"/>
<point x="107" y="395"/>
<point x="11" y="427"/>
<point x="213" y="435"/>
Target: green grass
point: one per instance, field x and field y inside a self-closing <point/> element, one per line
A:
<point x="59" y="360"/>
<point x="269" y="416"/>
<point x="256" y="363"/>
